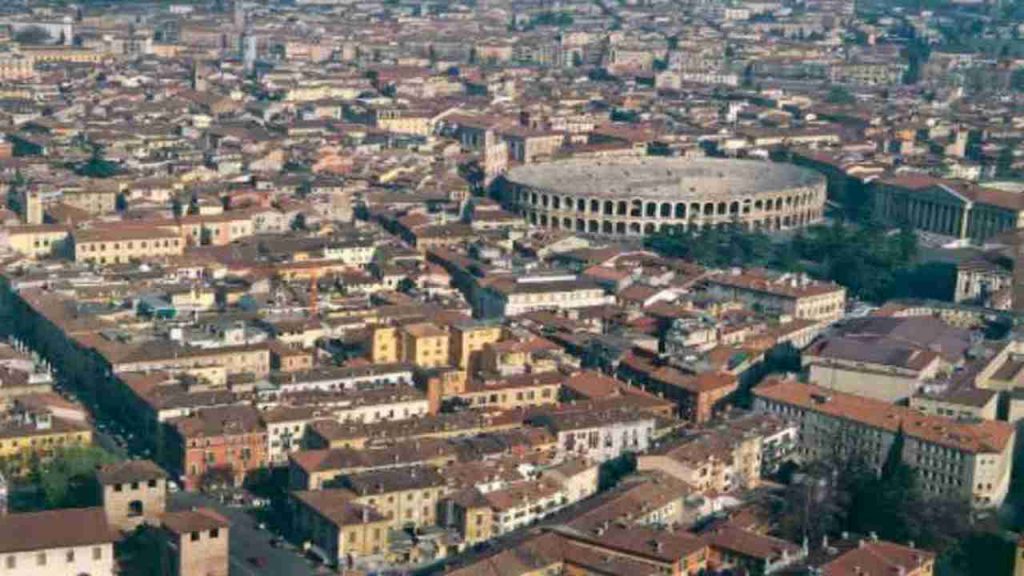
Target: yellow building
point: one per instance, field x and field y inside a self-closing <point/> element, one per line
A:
<point x="192" y="297"/>
<point x="63" y="54"/>
<point x="116" y="246"/>
<point x="337" y="527"/>
<point x="40" y="435"/>
<point x="15" y="67"/>
<point x="92" y="200"/>
<point x="520" y="391"/>
<point x="385" y="345"/>
<point x="425" y="345"/>
<point x="422" y="344"/>
<point x="468" y="340"/>
<point x="404" y="122"/>
<point x="407" y="497"/>
<point x="37" y="241"/>
<point x="470" y="513"/>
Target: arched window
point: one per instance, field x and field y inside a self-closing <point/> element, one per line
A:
<point x="135" y="508"/>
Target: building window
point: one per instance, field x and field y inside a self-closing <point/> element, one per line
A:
<point x="41" y="559"/>
<point x="215" y="533"/>
<point x="12" y="562"/>
<point x="71" y="556"/>
<point x="194" y="537"/>
<point x="97" y="553"/>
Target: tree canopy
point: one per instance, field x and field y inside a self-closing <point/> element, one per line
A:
<point x="66" y="480"/>
<point x="840" y="95"/>
<point x="33" y="35"/>
<point x="875" y="264"/>
<point x="842" y="492"/>
<point x="98" y="166"/>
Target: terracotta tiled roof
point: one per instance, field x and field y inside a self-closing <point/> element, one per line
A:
<point x="54" y="529"/>
<point x="984" y="436"/>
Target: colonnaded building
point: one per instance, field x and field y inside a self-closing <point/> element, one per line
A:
<point x="634" y="196"/>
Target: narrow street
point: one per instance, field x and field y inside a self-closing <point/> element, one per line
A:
<point x="251" y="552"/>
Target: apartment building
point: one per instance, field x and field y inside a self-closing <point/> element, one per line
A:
<point x="407" y="497"/>
<point x="31" y="435"/>
<point x="217" y="229"/>
<point x="793" y="295"/>
<point x="962" y="403"/>
<point x="518" y="391"/>
<point x="336" y="378"/>
<point x="337" y="528"/>
<point x="599" y="435"/>
<point x="422" y="344"/>
<point x="15" y="66"/>
<point x="468" y="339"/>
<point x="698" y="397"/>
<point x="524" y="503"/>
<point x="37" y="240"/>
<point x="513" y="296"/>
<point x="867" y="556"/>
<point x="145" y="356"/>
<point x="218" y="445"/>
<point x="887" y="359"/>
<point x="969" y="460"/>
<point x="984" y="280"/>
<point x="92" y="200"/>
<point x="313" y="469"/>
<point x="469" y="513"/>
<point x="286" y="427"/>
<point x="124" y="245"/>
<point x="731" y="456"/>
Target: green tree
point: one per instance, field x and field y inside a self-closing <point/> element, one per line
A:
<point x="98" y="166"/>
<point x="143" y="552"/>
<point x="611" y="472"/>
<point x="840" y="95"/>
<point x="67" y="480"/>
<point x="33" y="35"/>
<point x="872" y="263"/>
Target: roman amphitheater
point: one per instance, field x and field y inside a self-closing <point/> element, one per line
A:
<point x="634" y="196"/>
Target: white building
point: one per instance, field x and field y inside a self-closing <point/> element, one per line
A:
<point x="970" y="460"/>
<point x="342" y="378"/>
<point x="512" y="296"/>
<point x="57" y="543"/>
<point x="599" y="436"/>
<point x="524" y="503"/>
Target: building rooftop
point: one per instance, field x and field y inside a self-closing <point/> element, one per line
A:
<point x="66" y="528"/>
<point x="972" y="437"/>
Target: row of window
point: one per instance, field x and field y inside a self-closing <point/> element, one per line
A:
<point x="102" y="247"/>
<point x="134" y="485"/>
<point x="43" y="558"/>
